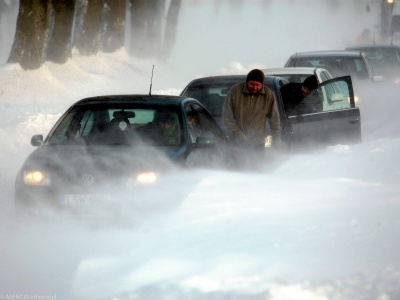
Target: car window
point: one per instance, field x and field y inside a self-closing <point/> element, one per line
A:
<point x="360" y="68"/>
<point x="194" y="127"/>
<point x="118" y="126"/>
<point x="136" y="116"/>
<point x="331" y="95"/>
<point x="212" y="96"/>
<point x="324" y="76"/>
<point x="290" y="78"/>
<point x="383" y="59"/>
<point x="299" y="78"/>
<point x="208" y="125"/>
<point x="337" y="66"/>
<point x="200" y="123"/>
<point x="310" y="62"/>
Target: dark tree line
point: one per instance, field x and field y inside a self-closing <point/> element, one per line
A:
<point x="48" y="30"/>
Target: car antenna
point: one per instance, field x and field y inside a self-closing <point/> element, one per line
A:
<point x="151" y="80"/>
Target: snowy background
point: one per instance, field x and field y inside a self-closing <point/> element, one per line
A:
<point x="321" y="225"/>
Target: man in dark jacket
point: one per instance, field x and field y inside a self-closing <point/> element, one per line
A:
<point x="293" y="93"/>
<point x="247" y="108"/>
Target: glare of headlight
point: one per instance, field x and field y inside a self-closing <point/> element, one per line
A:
<point x="36" y="178"/>
<point x="356" y="100"/>
<point x="147" y="178"/>
<point x="390" y="1"/>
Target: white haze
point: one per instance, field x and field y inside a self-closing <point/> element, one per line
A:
<point x="322" y="225"/>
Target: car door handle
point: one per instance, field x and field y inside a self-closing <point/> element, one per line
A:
<point x="354" y="121"/>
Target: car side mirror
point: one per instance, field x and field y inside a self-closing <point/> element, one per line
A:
<point x="37" y="140"/>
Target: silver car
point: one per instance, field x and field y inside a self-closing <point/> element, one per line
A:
<point x="338" y="63"/>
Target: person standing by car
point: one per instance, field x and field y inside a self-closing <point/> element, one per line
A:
<point x="246" y="110"/>
<point x="293" y="93"/>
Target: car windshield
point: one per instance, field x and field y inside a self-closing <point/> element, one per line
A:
<point x="383" y="59"/>
<point x="329" y="96"/>
<point x="118" y="126"/>
<point x="337" y="66"/>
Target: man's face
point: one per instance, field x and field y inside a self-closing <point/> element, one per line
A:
<point x="305" y="90"/>
<point x="254" y="86"/>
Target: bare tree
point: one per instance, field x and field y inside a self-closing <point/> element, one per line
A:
<point x="80" y="10"/>
<point x="146" y="26"/>
<point x="138" y="10"/>
<point x="114" y="25"/>
<point x="89" y="42"/>
<point x="153" y="33"/>
<point x="45" y="29"/>
<point x="59" y="46"/>
<point x="170" y="28"/>
<point x="31" y="35"/>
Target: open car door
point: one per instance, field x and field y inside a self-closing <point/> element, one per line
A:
<point x="327" y="116"/>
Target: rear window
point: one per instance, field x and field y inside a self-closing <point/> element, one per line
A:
<point x="337" y="66"/>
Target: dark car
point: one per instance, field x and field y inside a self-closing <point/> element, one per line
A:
<point x="337" y="120"/>
<point x="338" y="63"/>
<point x="384" y="58"/>
<point x="108" y="146"/>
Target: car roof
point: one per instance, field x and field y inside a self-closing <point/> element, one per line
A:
<point x="291" y="70"/>
<point x="226" y="79"/>
<point x="368" y="47"/>
<point x="328" y="53"/>
<point x="219" y="78"/>
<point x="136" y="98"/>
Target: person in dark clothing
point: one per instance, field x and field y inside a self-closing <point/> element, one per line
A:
<point x="293" y="93"/>
<point x="248" y="107"/>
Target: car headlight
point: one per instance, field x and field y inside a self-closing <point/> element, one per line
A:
<point x="356" y="100"/>
<point x="36" y="177"/>
<point x="147" y="177"/>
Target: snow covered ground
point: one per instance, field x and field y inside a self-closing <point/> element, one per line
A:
<point x="316" y="226"/>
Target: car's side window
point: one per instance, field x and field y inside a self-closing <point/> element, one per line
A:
<point x="205" y="127"/>
<point x="194" y="127"/>
<point x="75" y="125"/>
<point x="361" y="69"/>
<point x="133" y="116"/>
<point x="308" y="62"/>
<point x="86" y="124"/>
<point x="324" y="77"/>
<point x="212" y="97"/>
<point x="334" y="95"/>
<point x="209" y="128"/>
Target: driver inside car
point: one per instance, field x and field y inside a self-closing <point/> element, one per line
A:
<point x="163" y="130"/>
